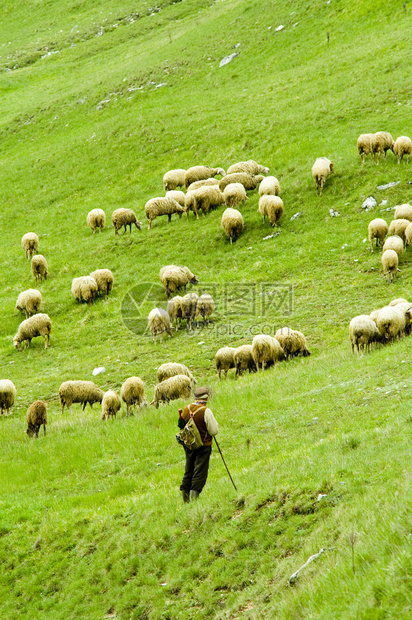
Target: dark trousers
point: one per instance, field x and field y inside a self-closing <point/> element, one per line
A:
<point x="196" y="468"/>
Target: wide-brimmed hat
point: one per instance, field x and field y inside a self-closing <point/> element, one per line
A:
<point x="201" y="392"/>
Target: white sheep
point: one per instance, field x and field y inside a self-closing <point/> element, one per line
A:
<point x="269" y="185"/>
<point x="124" y="217"/>
<point x="398" y="227"/>
<point x="155" y="207"/>
<point x="377" y="229"/>
<point x="85" y="289"/>
<point x="198" y="173"/>
<point x="381" y="143"/>
<point x="403" y="212"/>
<point x="292" y="341"/>
<point x="29" y="302"/>
<point x="363" y="332"/>
<point x="234" y="194"/>
<point x="249" y="181"/>
<point x="174" y="310"/>
<point x="391" y="322"/>
<point x="204" y="307"/>
<point x="224" y="360"/>
<point x="232" y="223"/>
<point x="249" y="166"/>
<point x="266" y="351"/>
<point x="132" y="393"/>
<point x="104" y="280"/>
<point x="177" y="195"/>
<point x="321" y="169"/>
<point x="408" y="235"/>
<point x="36" y="325"/>
<point x="39" y="267"/>
<point x="79" y="392"/>
<point x="365" y="145"/>
<point x="30" y="244"/>
<point x="243" y="359"/>
<point x="96" y="218"/>
<point x="272" y="207"/>
<point x="36" y="417"/>
<point x="171" y="369"/>
<point x="206" y="198"/>
<point x="390" y="264"/>
<point x="394" y="242"/>
<point x="403" y="146"/>
<point x="174" y="178"/>
<point x="202" y="183"/>
<point x="189" y="305"/>
<point x="7" y="395"/>
<point x="179" y="386"/>
<point x="159" y="323"/>
<point x="174" y="277"/>
<point x="111" y="404"/>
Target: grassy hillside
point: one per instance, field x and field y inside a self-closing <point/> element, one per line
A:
<point x="98" y="101"/>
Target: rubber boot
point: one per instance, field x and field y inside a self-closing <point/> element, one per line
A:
<point x="194" y="495"/>
<point x="186" y="497"/>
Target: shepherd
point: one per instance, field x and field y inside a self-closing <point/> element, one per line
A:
<point x="197" y="459"/>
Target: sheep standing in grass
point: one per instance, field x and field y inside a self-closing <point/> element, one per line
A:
<point x="266" y="351"/>
<point x="7" y="395"/>
<point x="224" y="360"/>
<point x="189" y="305"/>
<point x="403" y="146"/>
<point x="232" y="223"/>
<point x="365" y="145"/>
<point x="176" y="195"/>
<point x="104" y="280"/>
<point x="398" y="227"/>
<point x="270" y="186"/>
<point x="403" y="212"/>
<point x="174" y="278"/>
<point x="171" y="369"/>
<point x="174" y="310"/>
<point x="393" y="243"/>
<point x="248" y="181"/>
<point x="321" y="169"/>
<point x="124" y="217"/>
<point x="199" y="173"/>
<point x="30" y="244"/>
<point x="85" y="289"/>
<point x="391" y="323"/>
<point x="249" y="166"/>
<point x="36" y="325"/>
<point x="272" y="207"/>
<point x="202" y="183"/>
<point x="159" y="323"/>
<point x="173" y="179"/>
<point x="36" y="417"/>
<point x="132" y="393"/>
<point x="390" y="265"/>
<point x="381" y="143"/>
<point x="155" y="207"/>
<point x="206" y="198"/>
<point x="96" y="219"/>
<point x="363" y="332"/>
<point x="39" y="267"/>
<point x="29" y="302"/>
<point x="111" y="404"/>
<point x="79" y="392"/>
<point x="243" y="359"/>
<point x="377" y="229"/>
<point x="234" y="194"/>
<point x="204" y="307"/>
<point x="292" y="341"/>
<point x="179" y="386"/>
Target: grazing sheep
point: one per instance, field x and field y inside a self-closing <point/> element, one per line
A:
<point x="393" y="243"/>
<point x="363" y="332"/>
<point x="403" y="212"/>
<point x="174" y="178"/>
<point x="234" y="194"/>
<point x="266" y="351"/>
<point x="96" y="219"/>
<point x="7" y="395"/>
<point x="206" y="198"/>
<point x="408" y="235"/>
<point x="272" y="207"/>
<point x="198" y="173"/>
<point x="39" y="267"/>
<point x="104" y="280"/>
<point x="398" y="227"/>
<point x="174" y="310"/>
<point x="406" y="308"/>
<point x="176" y="195"/>
<point x="390" y="264"/>
<point x="269" y="185"/>
<point x="224" y="360"/>
<point x="189" y="305"/>
<point x="111" y="404"/>
<point x="247" y="180"/>
<point x="79" y="392"/>
<point x="155" y="207"/>
<point x="403" y="146"/>
<point x="204" y="307"/>
<point x="124" y="217"/>
<point x="249" y="166"/>
<point x="174" y="277"/>
<point x="232" y="223"/>
<point x="243" y="359"/>
<point x="36" y="417"/>
<point x="377" y="229"/>
<point x="391" y="322"/>
<point x="179" y="386"/>
<point x="320" y="171"/>
<point x="190" y="203"/>
<point x="132" y="393"/>
<point x="36" y="325"/>
<point x="159" y="323"/>
<point x="365" y="145"/>
<point x="171" y="369"/>
<point x="85" y="289"/>
<point x="202" y="183"/>
<point x="292" y="342"/>
<point x="29" y="302"/>
<point x="30" y="244"/>
<point x="381" y="143"/>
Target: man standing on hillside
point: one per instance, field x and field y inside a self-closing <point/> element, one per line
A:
<point x="197" y="460"/>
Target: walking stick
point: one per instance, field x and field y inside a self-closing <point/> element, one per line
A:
<point x="227" y="469"/>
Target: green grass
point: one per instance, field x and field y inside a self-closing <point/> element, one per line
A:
<point x="92" y="525"/>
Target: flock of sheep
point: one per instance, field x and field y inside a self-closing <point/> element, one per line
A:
<point x="400" y="236"/>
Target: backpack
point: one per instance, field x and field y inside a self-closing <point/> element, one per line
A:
<point x="189" y="436"/>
